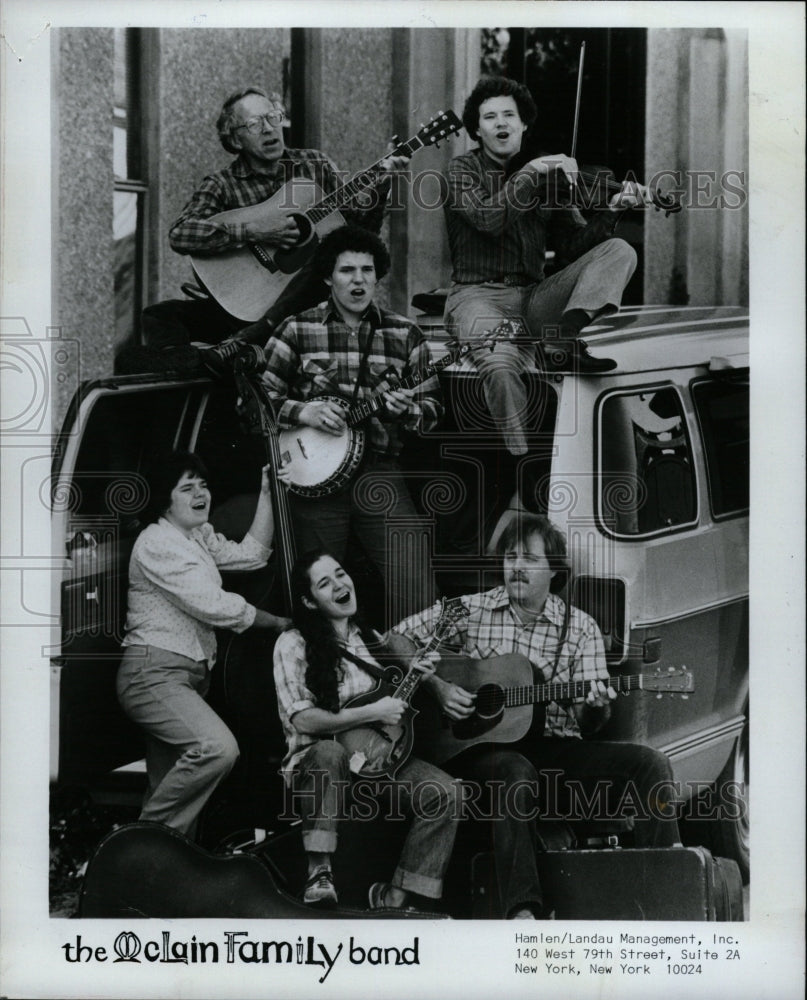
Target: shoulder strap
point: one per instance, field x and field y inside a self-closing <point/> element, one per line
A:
<point x="372" y="319"/>
<point x="371" y="668"/>
<point x="564" y="632"/>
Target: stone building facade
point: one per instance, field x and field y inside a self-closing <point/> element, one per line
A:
<point x="348" y="90"/>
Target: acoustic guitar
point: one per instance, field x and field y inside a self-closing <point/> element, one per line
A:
<point x="506" y="691"/>
<point x="320" y="463"/>
<point x="380" y="750"/>
<point x="247" y="280"/>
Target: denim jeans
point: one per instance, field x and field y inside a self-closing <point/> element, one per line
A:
<point x="543" y="779"/>
<point x="377" y="510"/>
<point x="593" y="283"/>
<point x="189" y="750"/>
<point x="320" y="796"/>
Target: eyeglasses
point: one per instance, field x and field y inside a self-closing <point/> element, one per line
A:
<point x="255" y="125"/>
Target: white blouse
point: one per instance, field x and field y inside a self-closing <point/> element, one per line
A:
<point x="175" y="594"/>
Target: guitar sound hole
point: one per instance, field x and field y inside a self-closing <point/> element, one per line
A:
<point x="489" y="701"/>
<point x="305" y="227"/>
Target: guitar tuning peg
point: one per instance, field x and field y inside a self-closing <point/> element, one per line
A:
<point x="684" y="697"/>
<point x="659" y="696"/>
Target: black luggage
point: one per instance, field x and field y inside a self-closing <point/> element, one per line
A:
<point x="662" y="883"/>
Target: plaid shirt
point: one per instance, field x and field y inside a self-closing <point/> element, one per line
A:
<point x="492" y="629"/>
<point x="239" y="186"/>
<point x="317" y="352"/>
<point x="492" y="233"/>
<point x="293" y="696"/>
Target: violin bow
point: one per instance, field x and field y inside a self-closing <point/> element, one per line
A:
<point x="668" y="204"/>
<point x="577" y="99"/>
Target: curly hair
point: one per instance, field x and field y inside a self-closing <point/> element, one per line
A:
<point x="497" y="86"/>
<point x="525" y="524"/>
<point x="350" y="239"/>
<point x="167" y="470"/>
<point x="323" y="652"/>
<point x="226" y="119"/>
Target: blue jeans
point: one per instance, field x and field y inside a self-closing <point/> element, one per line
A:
<point x="543" y="779"/>
<point x="377" y="510"/>
<point x="320" y="796"/>
<point x="593" y="283"/>
<point x="189" y="750"/>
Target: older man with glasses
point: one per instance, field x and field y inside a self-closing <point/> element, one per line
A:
<point x="250" y="126"/>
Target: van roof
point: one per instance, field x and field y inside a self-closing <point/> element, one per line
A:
<point x="646" y="338"/>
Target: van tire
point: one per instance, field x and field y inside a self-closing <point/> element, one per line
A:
<point x="731" y="837"/>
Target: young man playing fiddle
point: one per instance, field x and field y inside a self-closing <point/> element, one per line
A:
<point x="500" y="226"/>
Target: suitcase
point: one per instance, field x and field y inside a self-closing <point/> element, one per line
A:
<point x="661" y="883"/>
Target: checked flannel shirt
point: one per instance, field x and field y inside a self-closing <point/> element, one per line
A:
<point x="293" y="695"/>
<point x="492" y="630"/>
<point x="317" y="352"/>
<point x="239" y="186"/>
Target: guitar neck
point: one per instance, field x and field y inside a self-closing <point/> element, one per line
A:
<point x="541" y="694"/>
<point x="367" y="407"/>
<point x="342" y="196"/>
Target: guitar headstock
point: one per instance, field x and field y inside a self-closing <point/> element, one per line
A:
<point x="441" y="126"/>
<point x="451" y="611"/>
<point x="675" y="680"/>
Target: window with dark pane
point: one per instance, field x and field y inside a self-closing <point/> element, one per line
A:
<point x="646" y="473"/>
<point x="723" y="414"/>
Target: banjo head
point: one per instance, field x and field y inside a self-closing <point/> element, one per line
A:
<point x="321" y="463"/>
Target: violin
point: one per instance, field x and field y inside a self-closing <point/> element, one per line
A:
<point x="591" y="187"/>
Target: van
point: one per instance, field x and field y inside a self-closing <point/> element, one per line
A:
<point x="645" y="468"/>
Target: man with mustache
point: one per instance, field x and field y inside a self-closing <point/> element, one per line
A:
<point x="500" y="223"/>
<point x="250" y="126"/>
<point x="563" y="644"/>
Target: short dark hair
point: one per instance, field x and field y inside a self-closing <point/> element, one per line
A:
<point x="350" y="239"/>
<point x="497" y="86"/>
<point x="522" y="526"/>
<point x="224" y="123"/>
<point x="165" y="474"/>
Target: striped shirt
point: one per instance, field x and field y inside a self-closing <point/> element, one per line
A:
<point x="496" y="230"/>
<point x="239" y="186"/>
<point x="492" y="629"/>
<point x="293" y="695"/>
<point x="317" y="352"/>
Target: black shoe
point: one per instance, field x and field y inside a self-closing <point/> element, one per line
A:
<point x="233" y="355"/>
<point x="567" y="355"/>
<point x="586" y="362"/>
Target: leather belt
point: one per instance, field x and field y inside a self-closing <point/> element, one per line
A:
<point x="515" y="280"/>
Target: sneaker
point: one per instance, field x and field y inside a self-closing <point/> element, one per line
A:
<point x="319" y="890"/>
<point x="377" y="899"/>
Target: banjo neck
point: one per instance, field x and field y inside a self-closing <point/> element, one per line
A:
<point x="367" y="407"/>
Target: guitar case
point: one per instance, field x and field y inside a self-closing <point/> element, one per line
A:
<point x="655" y="883"/>
<point x="150" y="870"/>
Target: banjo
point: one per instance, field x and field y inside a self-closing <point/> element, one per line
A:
<point x="319" y="464"/>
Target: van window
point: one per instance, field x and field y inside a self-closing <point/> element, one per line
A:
<point x="722" y="408"/>
<point x="645" y="470"/>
